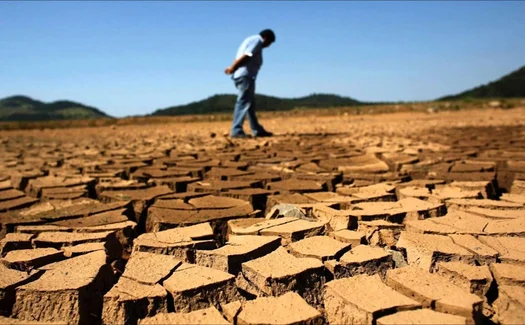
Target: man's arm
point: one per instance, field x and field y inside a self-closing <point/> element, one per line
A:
<point x="236" y="64"/>
<point x="252" y="48"/>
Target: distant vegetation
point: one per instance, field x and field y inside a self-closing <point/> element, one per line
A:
<point x="22" y="108"/>
<point x="225" y="103"/>
<point x="509" y="86"/>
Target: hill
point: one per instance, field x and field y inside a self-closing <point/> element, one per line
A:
<point x="23" y="108"/>
<point x="511" y="85"/>
<point x="224" y="103"/>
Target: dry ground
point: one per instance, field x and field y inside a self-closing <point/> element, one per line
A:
<point x="370" y="219"/>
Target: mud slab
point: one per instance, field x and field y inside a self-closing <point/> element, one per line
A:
<point x="237" y="250"/>
<point x="288" y="308"/>
<point x="196" y="287"/>
<point x="362" y="300"/>
<point x="70" y="290"/>
<point x="436" y="292"/>
<point x="280" y="272"/>
<point x="204" y="316"/>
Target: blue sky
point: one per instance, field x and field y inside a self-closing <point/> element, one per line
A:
<point x="132" y="57"/>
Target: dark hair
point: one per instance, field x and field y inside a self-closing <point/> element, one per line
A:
<point x="268" y="34"/>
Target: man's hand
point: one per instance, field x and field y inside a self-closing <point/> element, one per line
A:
<point x="229" y="70"/>
<point x="236" y="64"/>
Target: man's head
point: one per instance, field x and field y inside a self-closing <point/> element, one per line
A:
<point x="268" y="37"/>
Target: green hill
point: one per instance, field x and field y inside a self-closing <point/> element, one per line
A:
<point x="23" y="108"/>
<point x="224" y="103"/>
<point x="509" y="86"/>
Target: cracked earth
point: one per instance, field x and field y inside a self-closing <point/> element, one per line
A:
<point x="376" y="219"/>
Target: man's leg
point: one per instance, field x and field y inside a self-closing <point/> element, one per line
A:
<point x="244" y="105"/>
<point x="257" y="129"/>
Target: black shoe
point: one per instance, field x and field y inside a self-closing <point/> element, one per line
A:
<point x="264" y="134"/>
<point x="239" y="136"/>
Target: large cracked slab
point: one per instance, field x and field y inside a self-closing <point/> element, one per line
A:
<point x="9" y="281"/>
<point x="510" y="304"/>
<point x="510" y="249"/>
<point x="508" y="274"/>
<point x="320" y="247"/>
<point x="237" y="250"/>
<point x="14" y="241"/>
<point x="362" y="300"/>
<point x="148" y="268"/>
<point x="362" y="259"/>
<point x="290" y="229"/>
<point x="161" y="219"/>
<point x="424" y="251"/>
<point x="28" y="259"/>
<point x="37" y="185"/>
<point x="421" y="317"/>
<point x="335" y="219"/>
<point x="196" y="287"/>
<point x="140" y="199"/>
<point x="178" y="242"/>
<point x="69" y="291"/>
<point x="129" y="300"/>
<point x="286" y="309"/>
<point x="280" y="272"/>
<point x="203" y="316"/>
<point x="434" y="291"/>
<point x="474" y="279"/>
<point x="352" y="237"/>
<point x="381" y="232"/>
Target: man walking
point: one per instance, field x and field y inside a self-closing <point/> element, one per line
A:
<point x="244" y="72"/>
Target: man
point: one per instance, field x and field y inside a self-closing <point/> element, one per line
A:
<point x="244" y="72"/>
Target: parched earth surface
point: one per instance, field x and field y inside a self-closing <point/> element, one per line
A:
<point x="386" y="219"/>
